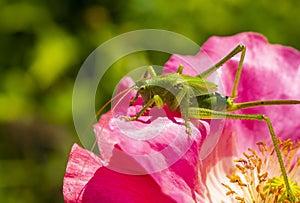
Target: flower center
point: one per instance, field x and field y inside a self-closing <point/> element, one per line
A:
<point x="257" y="176"/>
<point x="276" y="187"/>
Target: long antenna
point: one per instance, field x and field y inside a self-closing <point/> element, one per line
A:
<point x="126" y="91"/>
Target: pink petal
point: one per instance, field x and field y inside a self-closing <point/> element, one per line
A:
<point x="269" y="72"/>
<point x="110" y="186"/>
<point x="122" y="103"/>
<point x="193" y="65"/>
<point x="86" y="180"/>
<point x="81" y="167"/>
<point x="170" y="157"/>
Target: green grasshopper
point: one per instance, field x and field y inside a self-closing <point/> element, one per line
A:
<point x="181" y="92"/>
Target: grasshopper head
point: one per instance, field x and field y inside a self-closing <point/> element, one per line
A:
<point x="143" y="89"/>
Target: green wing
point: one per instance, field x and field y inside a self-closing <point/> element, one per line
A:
<point x="199" y="86"/>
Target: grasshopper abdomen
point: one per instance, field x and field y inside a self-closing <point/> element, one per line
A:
<point x="214" y="101"/>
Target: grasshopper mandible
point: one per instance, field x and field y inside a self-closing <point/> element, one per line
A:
<point x="179" y="92"/>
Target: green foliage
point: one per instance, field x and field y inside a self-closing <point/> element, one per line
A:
<point x="44" y="43"/>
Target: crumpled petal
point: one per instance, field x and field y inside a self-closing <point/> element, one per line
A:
<point x="161" y="149"/>
<point x="154" y="148"/>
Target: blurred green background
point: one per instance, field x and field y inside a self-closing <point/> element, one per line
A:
<point x="43" y="45"/>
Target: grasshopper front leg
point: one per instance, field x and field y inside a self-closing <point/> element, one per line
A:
<point x="156" y="99"/>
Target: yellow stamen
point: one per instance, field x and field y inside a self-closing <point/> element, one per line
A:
<point x="257" y="177"/>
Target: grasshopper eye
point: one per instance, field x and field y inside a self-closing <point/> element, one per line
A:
<point x="142" y="88"/>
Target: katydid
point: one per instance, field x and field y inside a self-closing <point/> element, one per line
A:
<point x="180" y="92"/>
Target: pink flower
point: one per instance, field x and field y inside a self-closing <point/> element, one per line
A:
<point x="153" y="160"/>
<point x="137" y="162"/>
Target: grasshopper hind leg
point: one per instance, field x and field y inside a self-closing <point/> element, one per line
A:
<point x="202" y="113"/>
